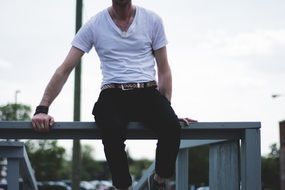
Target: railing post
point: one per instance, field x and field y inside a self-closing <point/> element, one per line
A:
<point x="223" y="166"/>
<point x="251" y="160"/>
<point x="182" y="169"/>
<point x="13" y="173"/>
<point x="18" y="164"/>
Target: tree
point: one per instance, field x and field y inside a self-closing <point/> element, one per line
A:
<point x="199" y="166"/>
<point x="138" y="166"/>
<point x="48" y="161"/>
<point x="270" y="170"/>
<point x="15" y="112"/>
<point x="91" y="169"/>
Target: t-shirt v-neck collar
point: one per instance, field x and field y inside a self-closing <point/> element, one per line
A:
<point x="123" y="34"/>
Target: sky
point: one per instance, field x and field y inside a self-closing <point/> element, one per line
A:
<point x="227" y="59"/>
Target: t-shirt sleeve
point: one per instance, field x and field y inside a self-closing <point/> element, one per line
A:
<point x="159" y="39"/>
<point x="83" y="39"/>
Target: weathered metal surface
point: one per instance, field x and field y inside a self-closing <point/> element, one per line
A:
<point x="224" y="166"/>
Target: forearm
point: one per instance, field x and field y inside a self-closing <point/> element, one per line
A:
<point x="60" y="76"/>
<point x="164" y="73"/>
<point x="41" y="121"/>
<point x="165" y="84"/>
<point x="54" y="86"/>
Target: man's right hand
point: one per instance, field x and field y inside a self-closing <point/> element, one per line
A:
<point x="42" y="122"/>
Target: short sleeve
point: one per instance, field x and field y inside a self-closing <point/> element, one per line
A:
<point x="159" y="39"/>
<point x="83" y="39"/>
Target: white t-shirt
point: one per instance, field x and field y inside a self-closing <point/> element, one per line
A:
<point x="125" y="56"/>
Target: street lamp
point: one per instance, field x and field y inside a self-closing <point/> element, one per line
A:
<point x="16" y="95"/>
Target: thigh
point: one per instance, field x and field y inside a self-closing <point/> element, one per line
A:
<point x="157" y="112"/>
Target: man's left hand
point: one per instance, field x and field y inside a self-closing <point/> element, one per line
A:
<point x="187" y="120"/>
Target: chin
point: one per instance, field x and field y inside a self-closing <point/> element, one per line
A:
<point x="122" y="2"/>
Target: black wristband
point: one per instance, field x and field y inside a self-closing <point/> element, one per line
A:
<point x="41" y="109"/>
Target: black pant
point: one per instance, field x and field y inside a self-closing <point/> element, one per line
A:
<point x="115" y="108"/>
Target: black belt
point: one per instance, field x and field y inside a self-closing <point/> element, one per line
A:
<point x="129" y="86"/>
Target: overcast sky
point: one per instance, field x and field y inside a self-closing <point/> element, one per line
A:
<point x="227" y="59"/>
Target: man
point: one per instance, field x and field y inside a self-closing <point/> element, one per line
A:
<point x="129" y="40"/>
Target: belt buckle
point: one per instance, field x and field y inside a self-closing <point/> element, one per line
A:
<point x="139" y="85"/>
<point x="135" y="85"/>
<point x="125" y="89"/>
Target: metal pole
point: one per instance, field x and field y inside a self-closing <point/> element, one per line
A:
<point x="76" y="156"/>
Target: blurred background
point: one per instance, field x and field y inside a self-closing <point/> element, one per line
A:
<point x="227" y="60"/>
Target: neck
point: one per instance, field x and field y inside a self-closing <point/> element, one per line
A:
<point x="122" y="10"/>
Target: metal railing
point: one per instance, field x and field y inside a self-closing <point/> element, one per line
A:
<point x="235" y="162"/>
<point x="18" y="163"/>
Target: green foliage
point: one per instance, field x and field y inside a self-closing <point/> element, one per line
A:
<point x="199" y="166"/>
<point x="138" y="166"/>
<point x="274" y="153"/>
<point x="91" y="169"/>
<point x="15" y="112"/>
<point x="270" y="173"/>
<point x="47" y="159"/>
<point x="49" y="163"/>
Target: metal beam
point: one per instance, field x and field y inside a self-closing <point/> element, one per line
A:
<point x="247" y="132"/>
<point x="89" y="130"/>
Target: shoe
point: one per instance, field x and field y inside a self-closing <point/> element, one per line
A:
<point x="154" y="185"/>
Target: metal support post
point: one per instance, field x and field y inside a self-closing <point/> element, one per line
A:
<point x="251" y="160"/>
<point x="13" y="173"/>
<point x="182" y="169"/>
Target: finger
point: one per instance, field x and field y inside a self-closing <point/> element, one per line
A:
<point x="51" y="122"/>
<point x="36" y="124"/>
<point x="42" y="127"/>
<point x="190" y="120"/>
<point x="46" y="122"/>
<point x="33" y="124"/>
<point x="46" y="125"/>
<point x="185" y="121"/>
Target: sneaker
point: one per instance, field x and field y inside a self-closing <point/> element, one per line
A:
<point x="154" y="185"/>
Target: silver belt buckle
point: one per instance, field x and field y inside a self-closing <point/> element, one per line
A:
<point x="125" y="89"/>
<point x="139" y="85"/>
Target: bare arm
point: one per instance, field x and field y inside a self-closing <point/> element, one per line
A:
<point x="164" y="73"/>
<point x="41" y="122"/>
<point x="60" y="76"/>
<point x="165" y="78"/>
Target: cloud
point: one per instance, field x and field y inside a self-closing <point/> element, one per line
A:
<point x="256" y="43"/>
<point x="5" y="64"/>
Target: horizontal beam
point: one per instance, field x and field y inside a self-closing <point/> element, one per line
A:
<point x="89" y="130"/>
